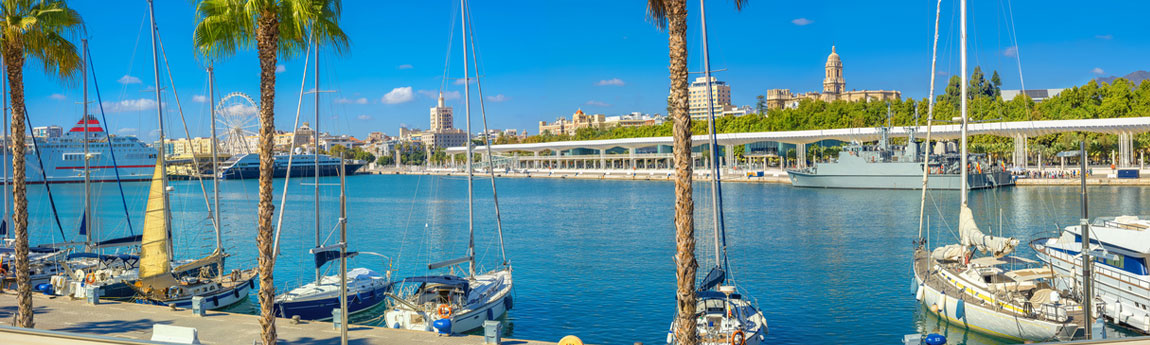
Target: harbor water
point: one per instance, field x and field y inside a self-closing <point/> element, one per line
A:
<point x="594" y="258"/>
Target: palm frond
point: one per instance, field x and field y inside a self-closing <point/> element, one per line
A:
<point x="222" y="27"/>
<point x="657" y="13"/>
<point x="43" y="29"/>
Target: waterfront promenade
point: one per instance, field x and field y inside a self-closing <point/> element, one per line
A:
<point x="134" y="321"/>
<point x="1100" y="178"/>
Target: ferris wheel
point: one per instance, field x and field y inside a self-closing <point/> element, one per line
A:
<point x="237" y="120"/>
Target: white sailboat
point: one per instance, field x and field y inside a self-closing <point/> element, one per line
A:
<point x="723" y="315"/>
<point x="160" y="283"/>
<point x="450" y="304"/>
<point x="980" y="294"/>
<point x="317" y="299"/>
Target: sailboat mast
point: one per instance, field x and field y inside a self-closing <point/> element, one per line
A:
<point x="467" y="111"/>
<point x="1087" y="261"/>
<point x="7" y="178"/>
<point x="716" y="186"/>
<point x="962" y="44"/>
<point x="160" y="123"/>
<point x="315" y="155"/>
<point x="215" y="157"/>
<point x="87" y="168"/>
<point x="342" y="250"/>
<point x="929" y="121"/>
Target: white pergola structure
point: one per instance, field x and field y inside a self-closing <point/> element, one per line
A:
<point x="1124" y="128"/>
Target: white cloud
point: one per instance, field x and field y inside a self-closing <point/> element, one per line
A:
<point x="1011" y="51"/>
<point x="127" y="131"/>
<point x="361" y="100"/>
<point x="450" y="95"/>
<point x="127" y="79"/>
<point x="597" y="103"/>
<point x="140" y="104"/>
<point x="497" y="98"/>
<point x="155" y="133"/>
<point x="364" y="117"/>
<point x="199" y="98"/>
<point x="461" y="82"/>
<point x="398" y="95"/>
<point x="802" y="21"/>
<point x="1104" y="37"/>
<point x="280" y="68"/>
<point x="405" y="66"/>
<point x="1097" y="70"/>
<point x="611" y="82"/>
<point x="58" y="96"/>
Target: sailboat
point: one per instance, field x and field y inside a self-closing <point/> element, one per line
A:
<point x="316" y="300"/>
<point x="723" y="315"/>
<point x="159" y="282"/>
<point x="979" y="293"/>
<point x="448" y="303"/>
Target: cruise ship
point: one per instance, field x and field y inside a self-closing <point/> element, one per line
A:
<point x="247" y="166"/>
<point x="62" y="155"/>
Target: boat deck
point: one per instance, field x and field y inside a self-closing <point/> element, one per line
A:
<point x="922" y="265"/>
<point x="134" y="321"/>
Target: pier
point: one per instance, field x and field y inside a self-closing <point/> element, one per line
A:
<point x="109" y="322"/>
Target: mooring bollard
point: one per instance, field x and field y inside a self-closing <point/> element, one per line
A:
<point x="336" y="318"/>
<point x="492" y="331"/>
<point x="92" y="295"/>
<point x="198" y="305"/>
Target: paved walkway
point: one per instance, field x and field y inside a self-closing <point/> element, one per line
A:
<point x="134" y="321"/>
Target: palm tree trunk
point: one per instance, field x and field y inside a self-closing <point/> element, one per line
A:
<point x="685" y="329"/>
<point x="267" y="39"/>
<point x="14" y="58"/>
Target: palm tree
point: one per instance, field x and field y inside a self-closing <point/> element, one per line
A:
<point x="671" y="16"/>
<point x="36" y="28"/>
<point x="276" y="27"/>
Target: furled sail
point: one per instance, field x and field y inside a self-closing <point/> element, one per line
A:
<point x="155" y="264"/>
<point x="972" y="236"/>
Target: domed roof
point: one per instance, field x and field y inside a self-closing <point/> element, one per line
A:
<point x="833" y="59"/>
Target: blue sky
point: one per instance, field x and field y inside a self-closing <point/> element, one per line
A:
<point x="544" y="59"/>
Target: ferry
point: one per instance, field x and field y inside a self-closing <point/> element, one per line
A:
<point x="62" y="155"/>
<point x="247" y="166"/>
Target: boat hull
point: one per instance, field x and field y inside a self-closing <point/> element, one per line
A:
<point x="985" y="320"/>
<point x="241" y="173"/>
<point x="216" y="300"/>
<point x="321" y="308"/>
<point x="897" y="181"/>
<point x="1122" y="293"/>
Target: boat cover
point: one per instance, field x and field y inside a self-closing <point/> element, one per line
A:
<point x="972" y="236"/>
<point x="713" y="278"/>
<point x="443" y="279"/>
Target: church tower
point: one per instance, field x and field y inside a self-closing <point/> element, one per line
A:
<point x="834" y="83"/>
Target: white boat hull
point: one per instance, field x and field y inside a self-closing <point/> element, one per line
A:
<point x="987" y="321"/>
<point x="1126" y="296"/>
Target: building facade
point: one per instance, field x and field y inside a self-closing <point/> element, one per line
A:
<point x="697" y="97"/>
<point x="578" y="120"/>
<point x="48" y="132"/>
<point x="834" y="89"/>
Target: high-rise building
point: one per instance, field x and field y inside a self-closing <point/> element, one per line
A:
<point x="697" y="97"/>
<point x="48" y="132"/>
<point x="441" y="118"/>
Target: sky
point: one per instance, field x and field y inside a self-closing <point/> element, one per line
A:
<point x="540" y="60"/>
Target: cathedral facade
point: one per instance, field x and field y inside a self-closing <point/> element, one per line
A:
<point x="834" y="89"/>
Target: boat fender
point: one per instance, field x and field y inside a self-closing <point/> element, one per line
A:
<point x="507" y="303"/>
<point x="918" y="294"/>
<point x="490" y="314"/>
<point x="960" y="310"/>
<point x="934" y="339"/>
<point x="236" y="292"/>
<point x="738" y="338"/>
<point x="442" y="326"/>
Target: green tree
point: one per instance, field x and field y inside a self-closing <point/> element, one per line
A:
<point x="385" y="160"/>
<point x="761" y="104"/>
<point x="39" y="29"/>
<point x="996" y="82"/>
<point x="275" y="27"/>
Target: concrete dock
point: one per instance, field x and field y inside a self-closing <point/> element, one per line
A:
<point x="134" y="322"/>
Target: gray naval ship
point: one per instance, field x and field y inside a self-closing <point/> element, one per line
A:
<point x="884" y="166"/>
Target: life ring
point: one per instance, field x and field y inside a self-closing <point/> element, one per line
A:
<point x="738" y="338"/>
<point x="444" y="311"/>
<point x="174" y="292"/>
<point x="91" y="278"/>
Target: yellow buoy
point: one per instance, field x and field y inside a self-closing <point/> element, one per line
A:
<point x="570" y="340"/>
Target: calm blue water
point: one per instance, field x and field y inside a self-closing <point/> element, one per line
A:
<point x="594" y="258"/>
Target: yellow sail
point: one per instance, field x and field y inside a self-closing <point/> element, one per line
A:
<point x="155" y="264"/>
